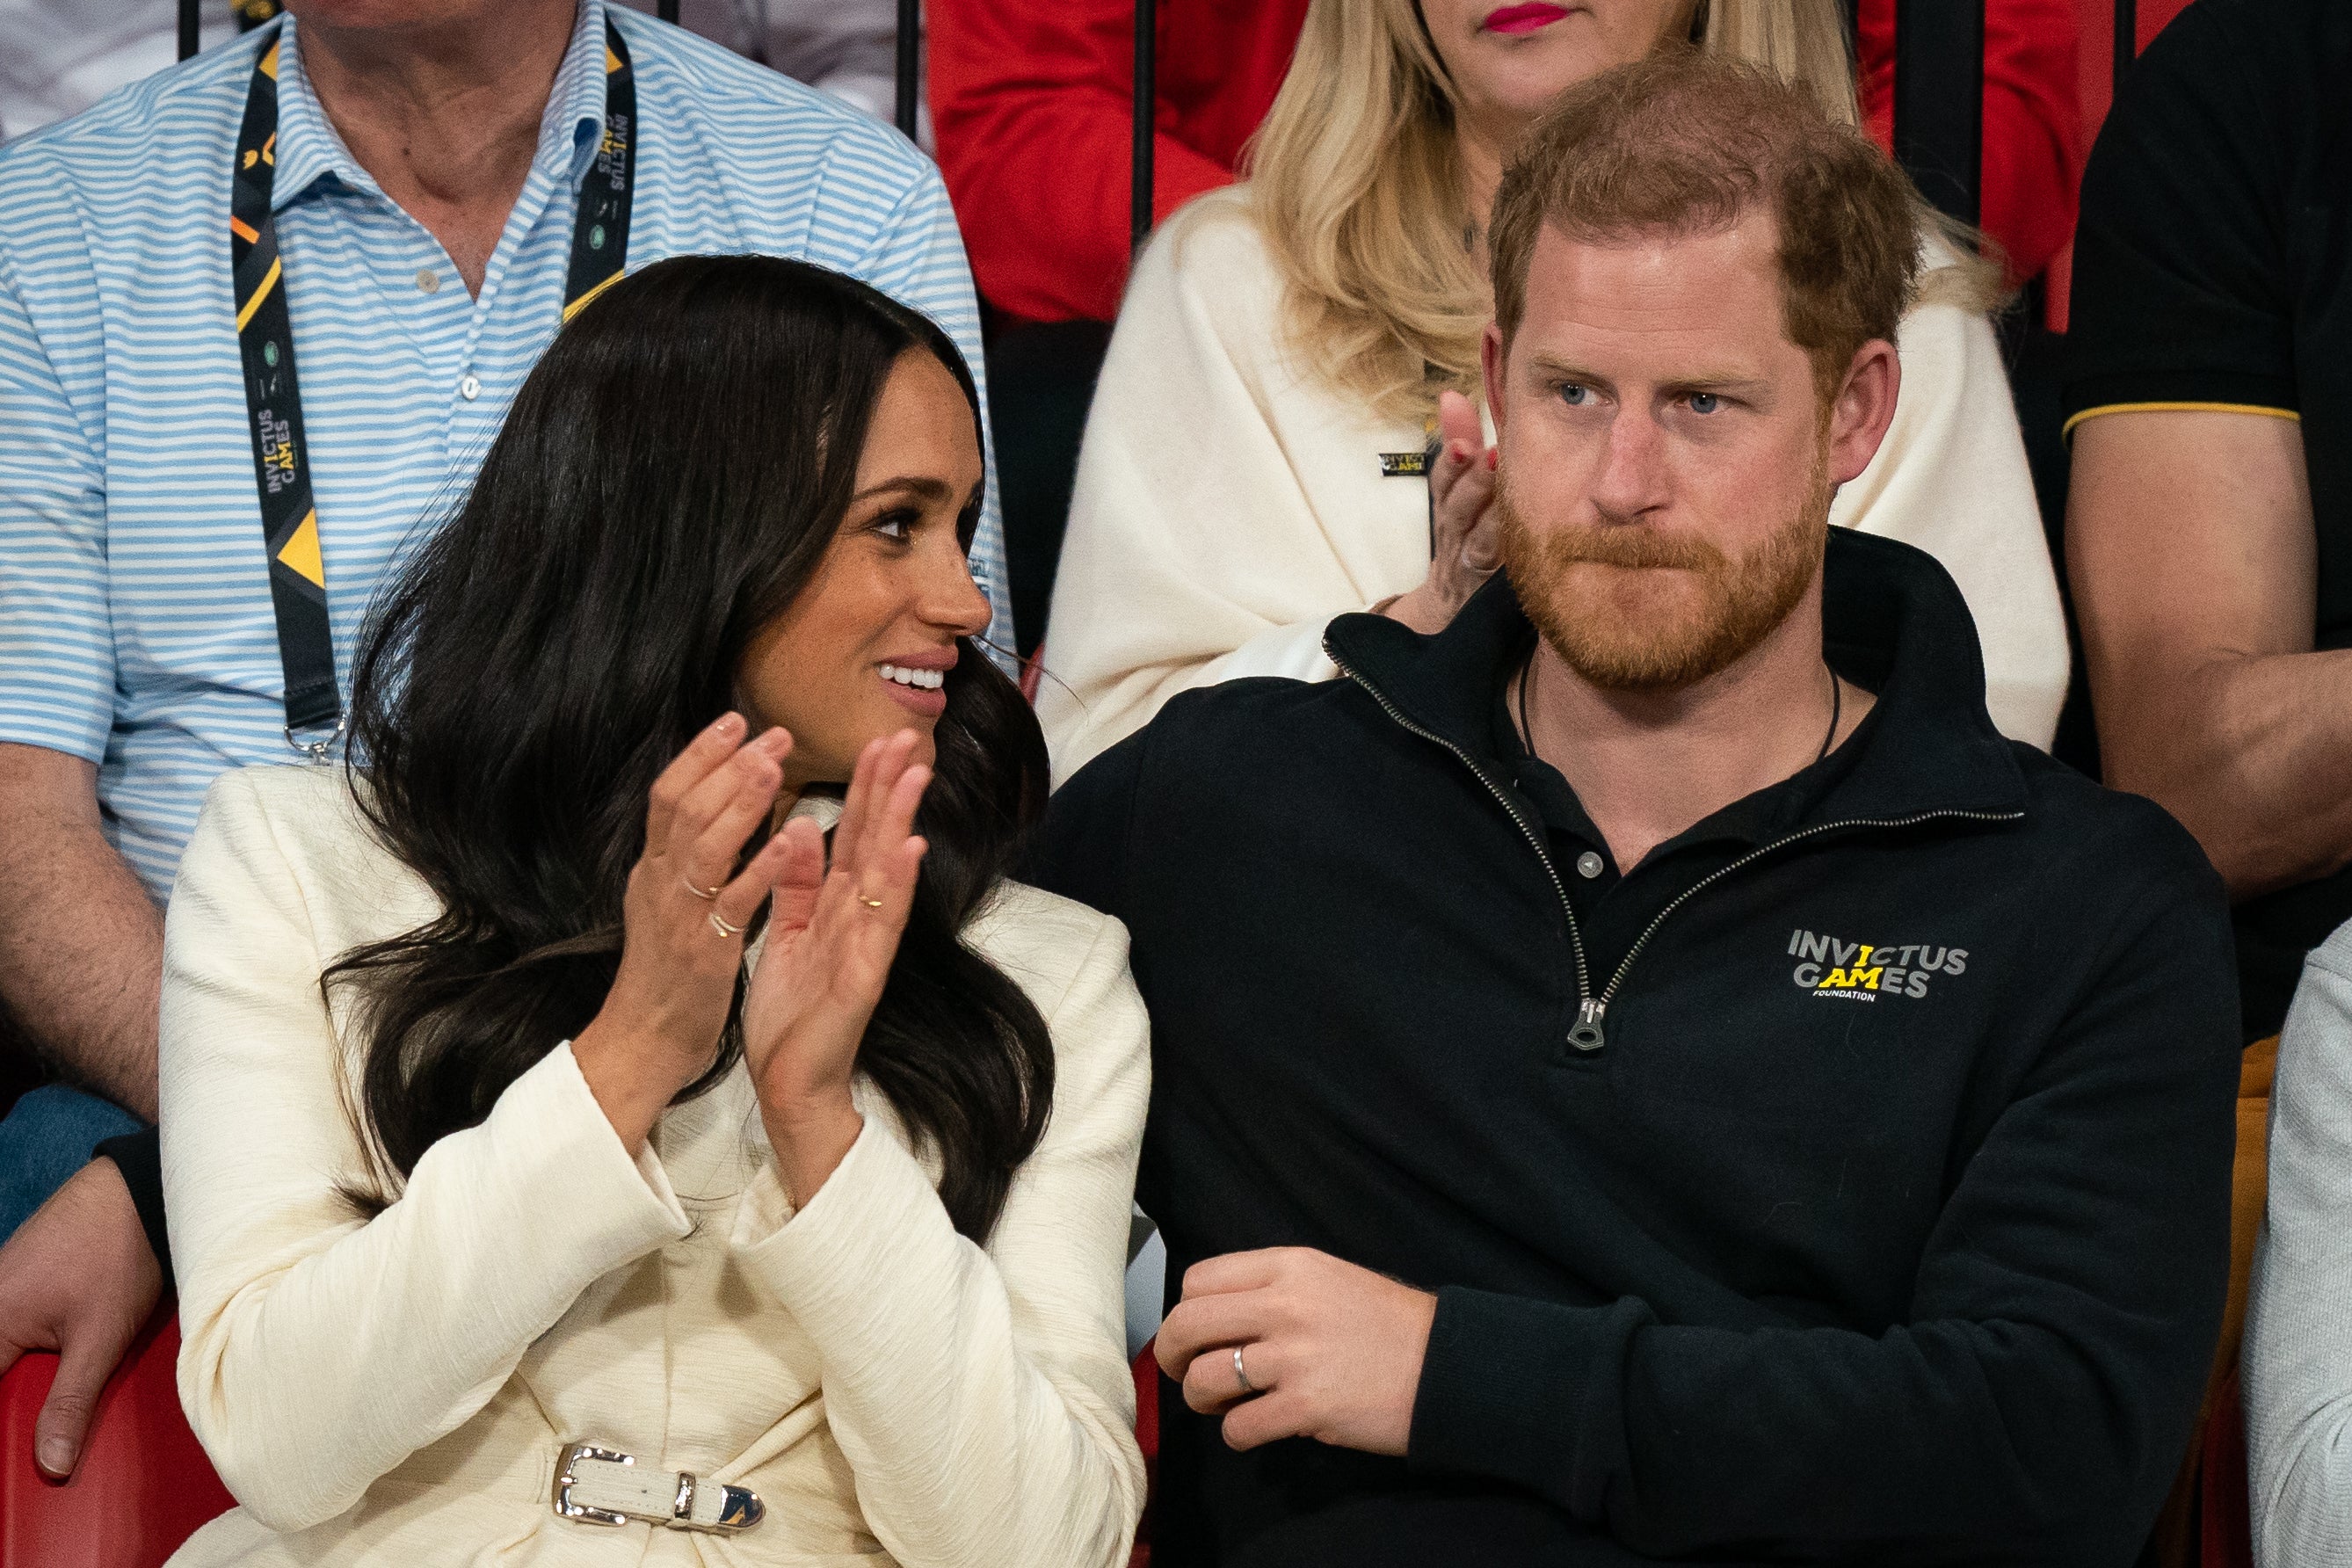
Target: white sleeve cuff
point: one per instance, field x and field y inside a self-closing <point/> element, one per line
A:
<point x="578" y="1167"/>
<point x="874" y="1226"/>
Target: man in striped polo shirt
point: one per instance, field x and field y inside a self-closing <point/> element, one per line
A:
<point x="422" y="185"/>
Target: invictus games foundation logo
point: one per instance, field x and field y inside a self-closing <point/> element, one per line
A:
<point x="1863" y="972"/>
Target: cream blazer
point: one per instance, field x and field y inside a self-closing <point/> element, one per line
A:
<point x="396" y="1391"/>
<point x="1229" y="503"/>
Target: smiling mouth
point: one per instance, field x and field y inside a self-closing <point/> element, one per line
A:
<point x="1521" y="19"/>
<point x="923" y="693"/>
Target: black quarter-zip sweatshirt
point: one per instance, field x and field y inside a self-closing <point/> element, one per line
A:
<point x="1848" y="1181"/>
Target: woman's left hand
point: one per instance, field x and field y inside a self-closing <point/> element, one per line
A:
<point x="831" y="939"/>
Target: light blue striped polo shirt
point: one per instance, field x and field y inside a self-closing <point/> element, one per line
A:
<point x="135" y="621"/>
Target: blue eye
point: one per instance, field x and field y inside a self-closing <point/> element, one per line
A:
<point x="1704" y="403"/>
<point x="1575" y="396"/>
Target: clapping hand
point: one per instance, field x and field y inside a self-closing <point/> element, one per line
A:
<point x="832" y="935"/>
<point x="1466" y="548"/>
<point x="688" y="906"/>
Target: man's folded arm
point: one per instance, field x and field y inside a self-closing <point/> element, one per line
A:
<point x="2065" y="1313"/>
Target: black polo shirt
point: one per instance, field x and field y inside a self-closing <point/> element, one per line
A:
<point x="1615" y="907"/>
<point x="2214" y="270"/>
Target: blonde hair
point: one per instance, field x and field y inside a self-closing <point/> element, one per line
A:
<point x="1357" y="187"/>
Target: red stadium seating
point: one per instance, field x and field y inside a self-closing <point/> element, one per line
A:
<point x="143" y="1484"/>
<point x="1147" y="1433"/>
<point x="2225" y="1527"/>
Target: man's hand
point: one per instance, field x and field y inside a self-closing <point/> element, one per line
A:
<point x="1466" y="548"/>
<point x="1333" y="1351"/>
<point x="78" y="1278"/>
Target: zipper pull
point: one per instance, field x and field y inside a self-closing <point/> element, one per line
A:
<point x="1586" y="1035"/>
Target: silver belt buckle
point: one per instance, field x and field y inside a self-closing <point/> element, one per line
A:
<point x="669" y="1497"/>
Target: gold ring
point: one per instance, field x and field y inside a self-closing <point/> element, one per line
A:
<point x="869" y="903"/>
<point x="708" y="895"/>
<point x="723" y="929"/>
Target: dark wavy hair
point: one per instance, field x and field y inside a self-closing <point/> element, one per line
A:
<point x="666" y="485"/>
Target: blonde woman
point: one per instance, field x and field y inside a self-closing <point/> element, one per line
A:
<point x="1289" y="348"/>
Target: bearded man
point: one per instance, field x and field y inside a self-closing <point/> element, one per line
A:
<point x="1648" y="1071"/>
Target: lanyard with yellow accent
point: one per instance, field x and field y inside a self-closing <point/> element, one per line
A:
<point x="273" y="397"/>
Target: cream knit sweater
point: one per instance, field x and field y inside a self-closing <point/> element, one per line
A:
<point x="1228" y="503"/>
<point x="396" y="1391"/>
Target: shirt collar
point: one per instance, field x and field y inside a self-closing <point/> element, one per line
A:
<point x="1893" y="622"/>
<point x="308" y="147"/>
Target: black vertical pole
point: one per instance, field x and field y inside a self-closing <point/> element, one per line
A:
<point x="1939" y="100"/>
<point x="1147" y="99"/>
<point x="2126" y="39"/>
<point x="667" y="10"/>
<point x="187" y="28"/>
<point x="911" y="64"/>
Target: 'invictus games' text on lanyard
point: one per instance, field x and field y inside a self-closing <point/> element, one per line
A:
<point x="273" y="397"/>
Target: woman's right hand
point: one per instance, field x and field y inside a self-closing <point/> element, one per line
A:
<point x="1466" y="548"/>
<point x="659" y="1027"/>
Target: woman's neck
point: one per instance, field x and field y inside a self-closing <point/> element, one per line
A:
<point x="1483" y="145"/>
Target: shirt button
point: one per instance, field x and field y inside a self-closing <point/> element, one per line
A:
<point x="470" y="388"/>
<point x="1588" y="865"/>
<point x="427" y="280"/>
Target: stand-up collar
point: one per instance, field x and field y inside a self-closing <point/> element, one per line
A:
<point x="1893" y="622"/>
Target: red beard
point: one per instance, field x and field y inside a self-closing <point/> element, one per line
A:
<point x="1629" y="607"/>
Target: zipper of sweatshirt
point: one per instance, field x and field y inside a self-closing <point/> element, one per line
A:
<point x="1591" y="1012"/>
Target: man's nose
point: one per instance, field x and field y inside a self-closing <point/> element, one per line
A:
<point x="1633" y="478"/>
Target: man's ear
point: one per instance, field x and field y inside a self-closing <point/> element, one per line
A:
<point x="1863" y="409"/>
<point x="1491" y="349"/>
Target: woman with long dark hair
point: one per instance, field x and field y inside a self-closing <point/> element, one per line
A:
<point x="630" y="1116"/>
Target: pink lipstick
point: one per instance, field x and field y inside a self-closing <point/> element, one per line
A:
<point x="1516" y="20"/>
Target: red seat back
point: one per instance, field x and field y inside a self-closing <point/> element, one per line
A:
<point x="1146" y="1369"/>
<point x="143" y="1484"/>
<point x="2225" y="1523"/>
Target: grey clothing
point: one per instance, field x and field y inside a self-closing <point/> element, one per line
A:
<point x="2297" y="1367"/>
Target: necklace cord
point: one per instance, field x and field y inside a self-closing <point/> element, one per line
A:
<point x="1527" y="730"/>
<point x="1837" y="709"/>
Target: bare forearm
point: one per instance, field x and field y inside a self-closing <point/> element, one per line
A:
<point x="2194" y="556"/>
<point x="81" y="945"/>
<point x="2252" y="754"/>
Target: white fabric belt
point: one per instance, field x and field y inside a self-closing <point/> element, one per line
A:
<point x="605" y="1486"/>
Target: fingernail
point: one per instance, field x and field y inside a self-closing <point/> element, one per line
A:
<point x="57" y="1456"/>
<point x="726" y="724"/>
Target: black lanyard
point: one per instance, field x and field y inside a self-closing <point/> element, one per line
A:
<point x="273" y="397"/>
